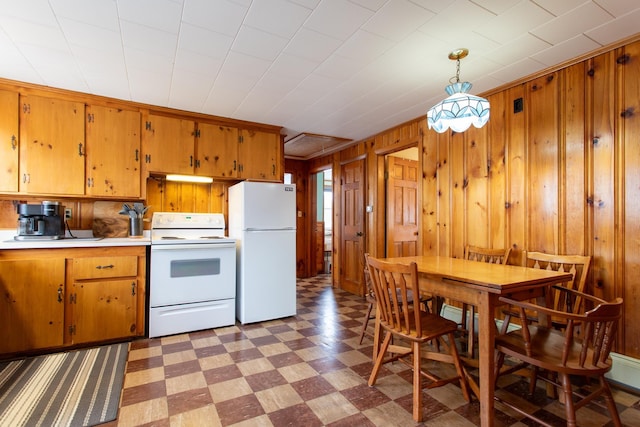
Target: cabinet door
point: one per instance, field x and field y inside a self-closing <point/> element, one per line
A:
<point x="8" y="141"/>
<point x="113" y="152"/>
<point x="32" y="304"/>
<point x="52" y="146"/>
<point x="259" y="154"/>
<point x="104" y="310"/>
<point x="217" y="149"/>
<point x="168" y="145"/>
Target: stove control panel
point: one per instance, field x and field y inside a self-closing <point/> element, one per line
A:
<point x="187" y="220"/>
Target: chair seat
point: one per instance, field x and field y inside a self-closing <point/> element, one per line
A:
<point x="547" y="349"/>
<point x="433" y="326"/>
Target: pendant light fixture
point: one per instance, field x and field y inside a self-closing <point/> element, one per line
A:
<point x="460" y="109"/>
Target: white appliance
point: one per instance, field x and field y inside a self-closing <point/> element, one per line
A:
<point x="192" y="284"/>
<point x="262" y="217"/>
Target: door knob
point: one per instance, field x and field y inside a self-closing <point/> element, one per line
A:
<point x="359" y="234"/>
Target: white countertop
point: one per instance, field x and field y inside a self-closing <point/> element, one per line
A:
<point x="84" y="239"/>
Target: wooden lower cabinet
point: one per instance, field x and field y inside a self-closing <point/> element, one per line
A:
<point x="57" y="298"/>
<point x="103" y="310"/>
<point x="32" y="304"/>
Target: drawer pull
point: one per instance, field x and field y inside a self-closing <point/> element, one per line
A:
<point x="60" y="294"/>
<point x="133" y="288"/>
<point x="100" y="267"/>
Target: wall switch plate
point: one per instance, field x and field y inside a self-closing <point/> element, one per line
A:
<point x="67" y="213"/>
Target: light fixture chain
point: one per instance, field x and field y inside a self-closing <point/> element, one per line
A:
<point x="458" y="70"/>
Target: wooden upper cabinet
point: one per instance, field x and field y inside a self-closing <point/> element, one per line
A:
<point x="259" y="154"/>
<point x="52" y="146"/>
<point x="8" y="141"/>
<point x="217" y="151"/>
<point x="168" y="145"/>
<point x="113" y="152"/>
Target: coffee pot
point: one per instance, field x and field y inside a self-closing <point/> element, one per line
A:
<point x="43" y="221"/>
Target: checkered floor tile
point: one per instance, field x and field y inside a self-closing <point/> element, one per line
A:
<point x="306" y="370"/>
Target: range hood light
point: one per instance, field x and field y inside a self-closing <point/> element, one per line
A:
<point x="190" y="178"/>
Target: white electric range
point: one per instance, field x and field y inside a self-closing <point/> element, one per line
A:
<point x="192" y="284"/>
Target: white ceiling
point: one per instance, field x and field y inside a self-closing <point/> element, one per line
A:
<point x="340" y="68"/>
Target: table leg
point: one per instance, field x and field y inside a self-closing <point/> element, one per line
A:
<point x="486" y="338"/>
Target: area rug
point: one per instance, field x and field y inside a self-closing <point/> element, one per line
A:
<point x="75" y="388"/>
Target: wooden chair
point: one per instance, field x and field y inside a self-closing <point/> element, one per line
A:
<point x="577" y="265"/>
<point x="560" y="352"/>
<point x="400" y="319"/>
<point x="371" y="301"/>
<point x="489" y="255"/>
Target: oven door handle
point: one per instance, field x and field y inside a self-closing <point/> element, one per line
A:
<point x="205" y="246"/>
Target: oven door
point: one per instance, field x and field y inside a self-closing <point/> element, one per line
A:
<point x="192" y="273"/>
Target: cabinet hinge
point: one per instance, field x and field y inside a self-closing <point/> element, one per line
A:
<point x="72" y="329"/>
<point x="240" y="139"/>
<point x="147" y="158"/>
<point x="197" y="133"/>
<point x="90" y="118"/>
<point x="147" y="125"/>
<point x="73" y="298"/>
<point x="26" y="108"/>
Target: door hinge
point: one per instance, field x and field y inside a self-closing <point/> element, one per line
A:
<point x="72" y="329"/>
<point x="73" y="298"/>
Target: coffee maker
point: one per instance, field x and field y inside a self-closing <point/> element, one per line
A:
<point x="40" y="222"/>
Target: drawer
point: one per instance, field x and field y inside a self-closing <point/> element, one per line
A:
<point x="101" y="267"/>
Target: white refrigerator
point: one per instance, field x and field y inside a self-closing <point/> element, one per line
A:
<point x="262" y="219"/>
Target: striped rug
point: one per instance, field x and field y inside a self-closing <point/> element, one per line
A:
<point x="76" y="388"/>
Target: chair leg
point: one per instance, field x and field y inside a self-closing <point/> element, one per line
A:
<point x="379" y="359"/>
<point x="417" y="383"/>
<point x="569" y="409"/>
<point x="464" y="385"/>
<point x="533" y="379"/>
<point x="365" y="322"/>
<point x="611" y="404"/>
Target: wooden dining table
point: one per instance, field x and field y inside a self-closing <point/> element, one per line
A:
<point x="480" y="284"/>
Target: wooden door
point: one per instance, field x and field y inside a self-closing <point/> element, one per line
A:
<point x="259" y="155"/>
<point x="113" y="152"/>
<point x="168" y="144"/>
<point x="352" y="221"/>
<point x="217" y="151"/>
<point x="8" y="141"/>
<point x="104" y="310"/>
<point x="402" y="207"/>
<point x="52" y="146"/>
<point x="32" y="304"/>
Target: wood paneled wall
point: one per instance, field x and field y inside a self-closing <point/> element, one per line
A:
<point x="561" y="176"/>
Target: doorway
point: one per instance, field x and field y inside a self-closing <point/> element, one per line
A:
<point x="402" y="202"/>
<point x="324" y="222"/>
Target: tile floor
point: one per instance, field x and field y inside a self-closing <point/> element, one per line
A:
<point x="307" y="370"/>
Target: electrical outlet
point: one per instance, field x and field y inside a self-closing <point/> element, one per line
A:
<point x="67" y="213"/>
